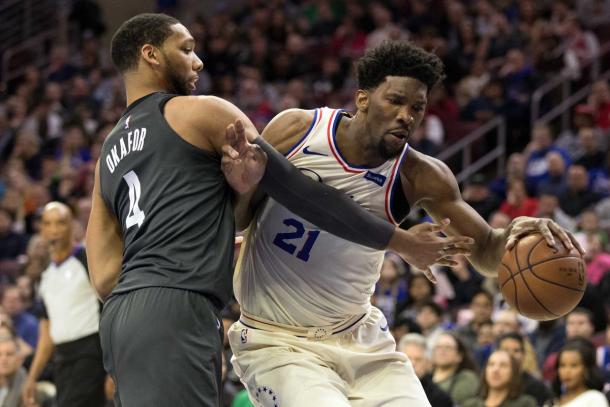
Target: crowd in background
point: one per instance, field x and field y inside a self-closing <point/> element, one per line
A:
<point x="268" y="56"/>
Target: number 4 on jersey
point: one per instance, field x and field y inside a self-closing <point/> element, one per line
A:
<point x="135" y="216"/>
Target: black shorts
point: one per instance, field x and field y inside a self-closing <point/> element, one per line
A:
<point x="162" y="346"/>
<point x="79" y="374"/>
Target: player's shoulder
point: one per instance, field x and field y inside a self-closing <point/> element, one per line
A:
<point x="297" y="120"/>
<point x="200" y="103"/>
<point x="288" y="127"/>
<point x="429" y="177"/>
<point x="424" y="166"/>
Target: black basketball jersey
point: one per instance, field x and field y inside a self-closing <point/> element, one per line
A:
<point x="172" y="202"/>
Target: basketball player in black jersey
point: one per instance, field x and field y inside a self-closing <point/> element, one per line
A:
<point x="160" y="234"/>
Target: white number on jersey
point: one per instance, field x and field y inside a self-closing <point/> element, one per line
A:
<point x="135" y="216"/>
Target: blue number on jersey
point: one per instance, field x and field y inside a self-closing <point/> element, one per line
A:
<point x="281" y="238"/>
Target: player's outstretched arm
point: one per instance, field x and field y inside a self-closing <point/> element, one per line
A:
<point x="433" y="186"/>
<point x="104" y="243"/>
<point x="335" y="212"/>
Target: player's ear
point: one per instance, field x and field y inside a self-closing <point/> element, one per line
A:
<point x="150" y="54"/>
<point x="362" y="100"/>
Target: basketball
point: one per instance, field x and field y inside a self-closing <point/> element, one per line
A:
<point x="540" y="282"/>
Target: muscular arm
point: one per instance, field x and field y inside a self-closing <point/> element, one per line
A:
<point x="322" y="205"/>
<point x="104" y="242"/>
<point x="430" y="184"/>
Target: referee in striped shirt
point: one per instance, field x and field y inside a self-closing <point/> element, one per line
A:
<point x="69" y="324"/>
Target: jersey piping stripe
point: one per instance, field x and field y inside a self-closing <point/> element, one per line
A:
<point x="331" y="134"/>
<point x="389" y="193"/>
<point x="317" y="116"/>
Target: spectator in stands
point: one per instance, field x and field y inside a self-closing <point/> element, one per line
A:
<point x="478" y="195"/>
<point x="70" y="322"/>
<point x="554" y="183"/>
<point x="454" y="370"/>
<point x="548" y="207"/>
<point x="501" y="384"/>
<point x="599" y="100"/>
<point x="481" y="308"/>
<point x="385" y="28"/>
<point x="579" y="323"/>
<point x="471" y="86"/>
<point x="582" y="117"/>
<point x="515" y="170"/>
<point x="582" y="46"/>
<point x="541" y="144"/>
<point x="517" y="202"/>
<point x="513" y="343"/>
<point x="518" y="76"/>
<point x="589" y="225"/>
<point x="485" y="343"/>
<point x="464" y="280"/>
<point x="490" y="103"/>
<point x="593" y="156"/>
<point x="37" y="258"/>
<point x="12" y="244"/>
<point x="423" y="144"/>
<point x="603" y="357"/>
<point x="578" y="196"/>
<point x="414" y="346"/>
<point x="420" y="291"/>
<point x="391" y="288"/>
<point x="26" y="324"/>
<point x="430" y="320"/>
<point x="598" y="260"/>
<point x="507" y="320"/>
<point x="578" y="381"/>
<point x="12" y="375"/>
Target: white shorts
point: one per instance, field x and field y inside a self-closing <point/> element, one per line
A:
<point x="358" y="368"/>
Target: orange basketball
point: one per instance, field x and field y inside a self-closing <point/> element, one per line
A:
<point x="540" y="282"/>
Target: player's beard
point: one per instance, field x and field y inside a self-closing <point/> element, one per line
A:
<point x="177" y="84"/>
<point x="387" y="152"/>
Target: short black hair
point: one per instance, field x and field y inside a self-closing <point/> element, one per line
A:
<point x="434" y="307"/>
<point x="147" y="28"/>
<point x="583" y="311"/>
<point x="398" y="58"/>
<point x="511" y="335"/>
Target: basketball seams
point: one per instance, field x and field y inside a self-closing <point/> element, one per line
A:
<point x="555" y="258"/>
<point x="553" y="282"/>
<point x="541" y="278"/>
<point x="536" y="298"/>
<point x="535" y="249"/>
<point x="512" y="276"/>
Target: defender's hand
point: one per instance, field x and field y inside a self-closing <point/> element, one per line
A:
<point x="243" y="163"/>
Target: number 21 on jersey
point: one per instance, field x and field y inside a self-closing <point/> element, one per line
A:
<point x="281" y="239"/>
<point x="135" y="216"/>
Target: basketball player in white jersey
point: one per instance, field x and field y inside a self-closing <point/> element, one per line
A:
<point x="308" y="335"/>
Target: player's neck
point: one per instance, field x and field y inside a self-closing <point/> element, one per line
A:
<point x="60" y="254"/>
<point x="137" y="88"/>
<point x="353" y="142"/>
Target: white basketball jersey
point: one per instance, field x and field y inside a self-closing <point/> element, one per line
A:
<point x="293" y="273"/>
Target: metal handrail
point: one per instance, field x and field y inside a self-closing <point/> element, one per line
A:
<point x="565" y="81"/>
<point x="570" y="101"/>
<point x="463" y="146"/>
<point x="35" y="44"/>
